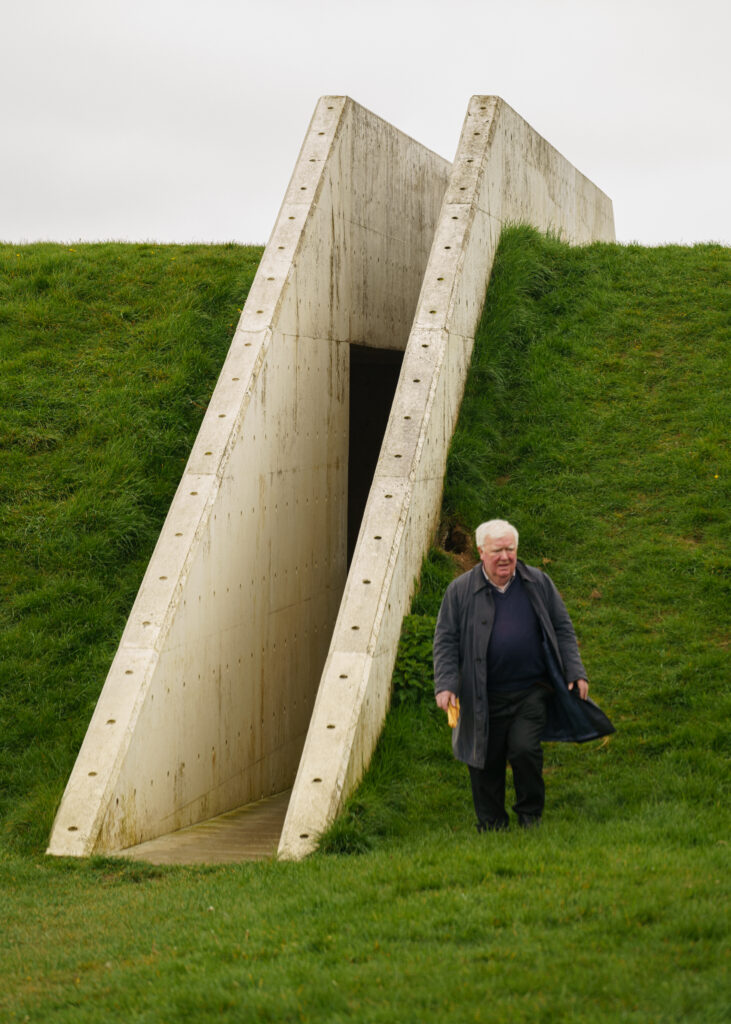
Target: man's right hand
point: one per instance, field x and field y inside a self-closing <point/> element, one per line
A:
<point x="445" y="698"/>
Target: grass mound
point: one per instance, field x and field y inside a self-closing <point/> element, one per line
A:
<point x="109" y="354"/>
<point x="594" y="418"/>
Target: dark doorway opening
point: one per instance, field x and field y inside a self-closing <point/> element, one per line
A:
<point x="374" y="374"/>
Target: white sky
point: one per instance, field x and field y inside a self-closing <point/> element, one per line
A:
<point x="181" y="120"/>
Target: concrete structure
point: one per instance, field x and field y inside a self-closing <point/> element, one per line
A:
<point x="209" y="697"/>
<point x="503" y="172"/>
<point x="211" y="692"/>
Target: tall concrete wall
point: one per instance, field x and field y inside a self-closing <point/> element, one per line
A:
<point x="503" y="172"/>
<point x="209" y="697"/>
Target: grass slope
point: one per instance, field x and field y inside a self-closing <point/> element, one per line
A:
<point x="594" y="419"/>
<point x="109" y="355"/>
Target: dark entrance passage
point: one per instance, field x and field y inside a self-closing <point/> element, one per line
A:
<point x="374" y="374"/>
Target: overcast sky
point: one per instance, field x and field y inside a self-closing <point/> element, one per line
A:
<point x="181" y="120"/>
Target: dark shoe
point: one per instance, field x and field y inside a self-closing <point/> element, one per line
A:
<point x="529" y="820"/>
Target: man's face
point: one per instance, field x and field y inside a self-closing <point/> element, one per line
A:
<point x="498" y="555"/>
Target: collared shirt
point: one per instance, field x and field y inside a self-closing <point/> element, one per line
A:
<point x="501" y="590"/>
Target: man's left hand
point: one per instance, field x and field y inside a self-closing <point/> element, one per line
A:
<point x="583" y="687"/>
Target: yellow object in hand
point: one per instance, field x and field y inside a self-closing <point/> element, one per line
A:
<point x="453" y="713"/>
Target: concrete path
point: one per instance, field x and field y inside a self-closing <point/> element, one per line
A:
<point x="248" y="833"/>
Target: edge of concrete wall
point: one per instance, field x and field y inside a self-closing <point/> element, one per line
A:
<point x="188" y="724"/>
<point x="503" y="172"/>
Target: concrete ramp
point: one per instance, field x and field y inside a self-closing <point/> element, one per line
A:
<point x="209" y="697"/>
<point x="250" y="638"/>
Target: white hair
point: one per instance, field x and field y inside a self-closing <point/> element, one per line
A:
<point x="494" y="528"/>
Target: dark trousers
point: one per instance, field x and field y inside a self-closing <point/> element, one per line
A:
<point x="516" y="722"/>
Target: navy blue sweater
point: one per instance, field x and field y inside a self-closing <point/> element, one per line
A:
<point x="514" y="654"/>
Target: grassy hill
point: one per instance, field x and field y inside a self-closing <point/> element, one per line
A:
<point x="109" y="355"/>
<point x="595" y="418"/>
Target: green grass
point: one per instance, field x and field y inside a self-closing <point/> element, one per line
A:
<point x="109" y="355"/>
<point x="595" y="418"/>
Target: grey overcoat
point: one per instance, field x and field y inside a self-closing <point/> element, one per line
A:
<point x="460" y="661"/>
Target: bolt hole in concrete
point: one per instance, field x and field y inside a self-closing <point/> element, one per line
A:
<point x="111" y="721"/>
<point x="374" y="375"/>
<point x="343" y="675"/>
<point x="92" y="775"/>
<point x="331" y="726"/>
<point x="317" y="780"/>
<point x="73" y="828"/>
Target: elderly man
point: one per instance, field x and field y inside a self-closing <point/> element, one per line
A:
<point x="505" y="646"/>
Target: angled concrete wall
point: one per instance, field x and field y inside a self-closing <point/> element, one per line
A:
<point x="209" y="697"/>
<point x="503" y="172"/>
